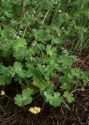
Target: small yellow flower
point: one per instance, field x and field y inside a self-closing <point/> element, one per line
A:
<point x="2" y="92"/>
<point x="35" y="84"/>
<point x="35" y="110"/>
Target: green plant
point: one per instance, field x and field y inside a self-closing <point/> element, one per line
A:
<point x="32" y="53"/>
<point x="25" y="98"/>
